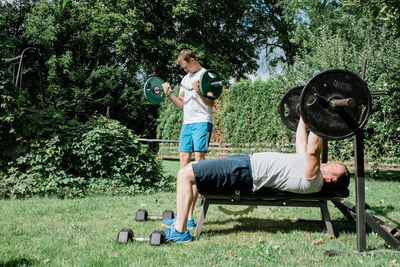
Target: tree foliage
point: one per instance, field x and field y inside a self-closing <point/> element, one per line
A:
<point x="386" y="12"/>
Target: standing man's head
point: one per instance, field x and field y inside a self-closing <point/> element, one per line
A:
<point x="187" y="60"/>
<point x="335" y="176"/>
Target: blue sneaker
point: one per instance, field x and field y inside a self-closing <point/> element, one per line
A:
<point x="170" y="222"/>
<point x="190" y="224"/>
<point x="173" y="236"/>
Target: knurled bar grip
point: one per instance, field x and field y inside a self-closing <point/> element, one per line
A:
<point x="343" y="103"/>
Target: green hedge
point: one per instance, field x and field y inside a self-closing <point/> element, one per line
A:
<point x="169" y="120"/>
<point x="249" y="114"/>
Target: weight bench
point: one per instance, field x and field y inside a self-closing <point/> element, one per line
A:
<point x="274" y="197"/>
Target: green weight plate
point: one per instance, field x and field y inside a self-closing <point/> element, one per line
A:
<point x="207" y="88"/>
<point x="153" y="90"/>
<point x="289" y="109"/>
<point x="329" y="122"/>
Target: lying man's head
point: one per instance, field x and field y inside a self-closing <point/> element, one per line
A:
<point x="335" y="176"/>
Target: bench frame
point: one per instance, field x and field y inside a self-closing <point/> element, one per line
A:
<point x="271" y="197"/>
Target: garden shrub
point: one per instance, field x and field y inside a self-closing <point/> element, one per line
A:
<point x="101" y="156"/>
<point x="109" y="151"/>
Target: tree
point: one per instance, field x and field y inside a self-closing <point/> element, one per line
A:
<point x="385" y="12"/>
<point x="99" y="53"/>
<point x="289" y="25"/>
<point x="274" y="30"/>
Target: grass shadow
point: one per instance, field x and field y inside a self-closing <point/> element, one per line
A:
<point x="251" y="225"/>
<point x="383" y="211"/>
<point x="19" y="262"/>
<point x="383" y="175"/>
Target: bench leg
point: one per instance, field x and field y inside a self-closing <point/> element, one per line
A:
<point x="344" y="210"/>
<point x="327" y="219"/>
<point x="384" y="230"/>
<point x="202" y="216"/>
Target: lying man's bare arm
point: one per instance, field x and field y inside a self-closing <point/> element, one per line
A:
<point x="301" y="138"/>
<point x="313" y="155"/>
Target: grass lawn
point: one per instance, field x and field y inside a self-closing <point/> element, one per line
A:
<point x="82" y="232"/>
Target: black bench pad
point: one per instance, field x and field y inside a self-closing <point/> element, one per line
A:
<point x="273" y="194"/>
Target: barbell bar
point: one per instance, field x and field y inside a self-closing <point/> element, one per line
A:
<point x="210" y="84"/>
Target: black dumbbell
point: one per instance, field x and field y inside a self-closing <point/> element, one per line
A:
<point x="156" y="237"/>
<point x="143" y="215"/>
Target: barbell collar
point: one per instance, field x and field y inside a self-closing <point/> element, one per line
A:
<point x="216" y="83"/>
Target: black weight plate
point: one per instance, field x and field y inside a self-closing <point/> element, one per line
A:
<point x="289" y="109"/>
<point x="335" y="123"/>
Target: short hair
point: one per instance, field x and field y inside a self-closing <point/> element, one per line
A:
<point x="186" y="54"/>
<point x="341" y="184"/>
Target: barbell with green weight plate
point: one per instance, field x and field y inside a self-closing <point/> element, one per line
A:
<point x="153" y="90"/>
<point x="210" y="87"/>
<point x="210" y="84"/>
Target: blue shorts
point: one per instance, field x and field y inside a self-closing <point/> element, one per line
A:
<point x="195" y="137"/>
<point x="223" y="175"/>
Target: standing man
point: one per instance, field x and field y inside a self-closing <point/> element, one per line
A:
<point x="197" y="118"/>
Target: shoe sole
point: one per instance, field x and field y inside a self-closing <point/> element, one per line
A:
<point x="174" y="224"/>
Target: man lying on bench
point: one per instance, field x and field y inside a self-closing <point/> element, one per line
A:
<point x="299" y="173"/>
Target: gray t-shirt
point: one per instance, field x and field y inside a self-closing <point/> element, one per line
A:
<point x="282" y="171"/>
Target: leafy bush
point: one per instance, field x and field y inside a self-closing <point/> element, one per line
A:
<point x="101" y="156"/>
<point x="110" y="151"/>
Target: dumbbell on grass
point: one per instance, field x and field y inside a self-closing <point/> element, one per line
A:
<point x="143" y="215"/>
<point x="156" y="237"/>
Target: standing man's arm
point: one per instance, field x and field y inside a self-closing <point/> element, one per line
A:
<point x="179" y="100"/>
<point x="208" y="102"/>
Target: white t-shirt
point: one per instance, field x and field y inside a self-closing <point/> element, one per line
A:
<point x="283" y="171"/>
<point x="194" y="109"/>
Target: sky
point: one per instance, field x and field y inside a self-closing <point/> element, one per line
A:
<point x="263" y="72"/>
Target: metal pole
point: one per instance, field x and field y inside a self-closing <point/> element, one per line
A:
<point x="324" y="151"/>
<point x="360" y="191"/>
